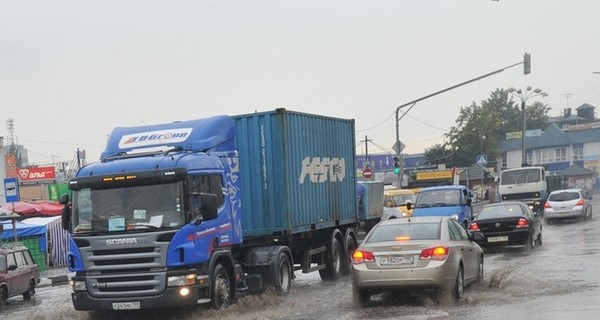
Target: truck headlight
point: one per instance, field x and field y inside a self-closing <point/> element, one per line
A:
<point x="78" y="285"/>
<point x="182" y="280"/>
<point x="454" y="216"/>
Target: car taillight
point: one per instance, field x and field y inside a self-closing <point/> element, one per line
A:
<point x="547" y="205"/>
<point x="581" y="202"/>
<point x="522" y="223"/>
<point x="474" y="227"/>
<point x="361" y="256"/>
<point x="435" y="253"/>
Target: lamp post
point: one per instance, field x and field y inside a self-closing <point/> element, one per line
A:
<point x="482" y="170"/>
<point x="524" y="96"/>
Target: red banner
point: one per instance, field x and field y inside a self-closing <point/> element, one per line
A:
<point x="36" y="174"/>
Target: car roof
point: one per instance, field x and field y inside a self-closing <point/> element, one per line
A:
<point x="8" y="248"/>
<point x="567" y="190"/>
<point x="452" y="187"/>
<point x="413" y="220"/>
<point x="393" y="192"/>
<point x="504" y="203"/>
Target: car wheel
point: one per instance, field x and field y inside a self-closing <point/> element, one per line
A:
<point x="530" y="242"/>
<point x="221" y="288"/>
<point x="361" y="297"/>
<point x="27" y="295"/>
<point x="3" y="296"/>
<point x="458" y="291"/>
<point x="480" y="274"/>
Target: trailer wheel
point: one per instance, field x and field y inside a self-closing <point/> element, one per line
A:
<point x="350" y="246"/>
<point x="284" y="274"/>
<point x="221" y="288"/>
<point x="333" y="261"/>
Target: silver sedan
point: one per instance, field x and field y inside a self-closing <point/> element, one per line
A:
<point x="568" y="204"/>
<point x="416" y="253"/>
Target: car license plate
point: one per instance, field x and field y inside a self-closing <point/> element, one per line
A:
<point x="396" y="260"/>
<point x="498" y="239"/>
<point x="135" y="305"/>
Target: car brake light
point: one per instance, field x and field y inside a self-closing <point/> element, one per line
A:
<point x="435" y="253"/>
<point x="581" y="202"/>
<point x="402" y="238"/>
<point x="361" y="256"/>
<point x="523" y="223"/>
<point x="474" y="227"/>
<point x="547" y="205"/>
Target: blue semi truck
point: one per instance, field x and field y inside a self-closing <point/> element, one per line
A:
<point x="196" y="212"/>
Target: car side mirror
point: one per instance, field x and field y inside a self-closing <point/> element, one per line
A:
<point x="12" y="267"/>
<point x="476" y="236"/>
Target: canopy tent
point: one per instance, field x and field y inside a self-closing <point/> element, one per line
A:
<point x="32" y="236"/>
<point x="38" y="208"/>
<point x="58" y="239"/>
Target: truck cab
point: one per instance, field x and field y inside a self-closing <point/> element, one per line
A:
<point x="453" y="201"/>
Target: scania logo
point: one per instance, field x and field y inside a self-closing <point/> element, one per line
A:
<point x="116" y="242"/>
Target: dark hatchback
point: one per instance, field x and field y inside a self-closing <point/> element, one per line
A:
<point x="18" y="273"/>
<point x="507" y="224"/>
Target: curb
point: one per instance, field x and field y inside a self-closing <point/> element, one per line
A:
<point x="53" y="281"/>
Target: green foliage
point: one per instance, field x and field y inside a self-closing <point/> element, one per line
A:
<point x="479" y="129"/>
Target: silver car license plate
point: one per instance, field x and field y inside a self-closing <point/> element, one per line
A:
<point x="134" y="305"/>
<point x="396" y="260"/>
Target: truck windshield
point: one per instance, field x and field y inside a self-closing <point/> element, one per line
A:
<point x="130" y="209"/>
<point x="438" y="198"/>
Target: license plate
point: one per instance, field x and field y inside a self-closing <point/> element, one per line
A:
<point x="396" y="260"/>
<point x="135" y="305"/>
<point x="497" y="239"/>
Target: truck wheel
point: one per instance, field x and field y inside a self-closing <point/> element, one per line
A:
<point x="284" y="274"/>
<point x="350" y="246"/>
<point x="221" y="288"/>
<point x="333" y="261"/>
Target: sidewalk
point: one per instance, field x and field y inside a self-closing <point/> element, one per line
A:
<point x="54" y="276"/>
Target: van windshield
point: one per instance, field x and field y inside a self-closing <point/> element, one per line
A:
<point x="438" y="198"/>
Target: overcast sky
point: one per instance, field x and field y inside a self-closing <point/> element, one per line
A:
<point x="70" y="71"/>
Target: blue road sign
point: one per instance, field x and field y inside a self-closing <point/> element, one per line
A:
<point x="11" y="189"/>
<point x="482" y="159"/>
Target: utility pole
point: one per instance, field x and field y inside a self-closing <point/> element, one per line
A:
<point x="366" y="141"/>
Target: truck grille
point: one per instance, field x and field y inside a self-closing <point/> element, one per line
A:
<point x="136" y="269"/>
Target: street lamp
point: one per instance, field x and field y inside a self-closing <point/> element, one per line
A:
<point x="524" y="96"/>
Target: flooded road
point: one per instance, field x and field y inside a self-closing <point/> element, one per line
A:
<point x="559" y="280"/>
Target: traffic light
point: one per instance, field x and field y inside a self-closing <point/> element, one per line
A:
<point x="527" y="63"/>
<point x="397" y="165"/>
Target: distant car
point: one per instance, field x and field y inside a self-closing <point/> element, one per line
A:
<point x="18" y="273"/>
<point x="568" y="204"/>
<point x="507" y="223"/>
<point x="416" y="253"/>
<point x="394" y="202"/>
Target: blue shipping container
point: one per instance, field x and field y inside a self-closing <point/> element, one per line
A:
<point x="297" y="172"/>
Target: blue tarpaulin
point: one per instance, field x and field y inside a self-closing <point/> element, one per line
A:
<point x="24" y="230"/>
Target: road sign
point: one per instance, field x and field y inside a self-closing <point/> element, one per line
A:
<point x="482" y="159"/>
<point x="396" y="149"/>
<point x="11" y="189"/>
<point x="367" y="173"/>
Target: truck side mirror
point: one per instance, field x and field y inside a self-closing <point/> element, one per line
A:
<point x="409" y="205"/>
<point x="469" y="202"/>
<point x="66" y="212"/>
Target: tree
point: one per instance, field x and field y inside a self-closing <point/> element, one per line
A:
<point x="494" y="118"/>
<point x="439" y="153"/>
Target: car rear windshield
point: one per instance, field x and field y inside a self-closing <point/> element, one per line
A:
<point x="405" y="231"/>
<point x="564" y="196"/>
<point x="500" y="211"/>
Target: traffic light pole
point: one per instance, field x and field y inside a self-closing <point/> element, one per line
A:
<point x="527" y="65"/>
